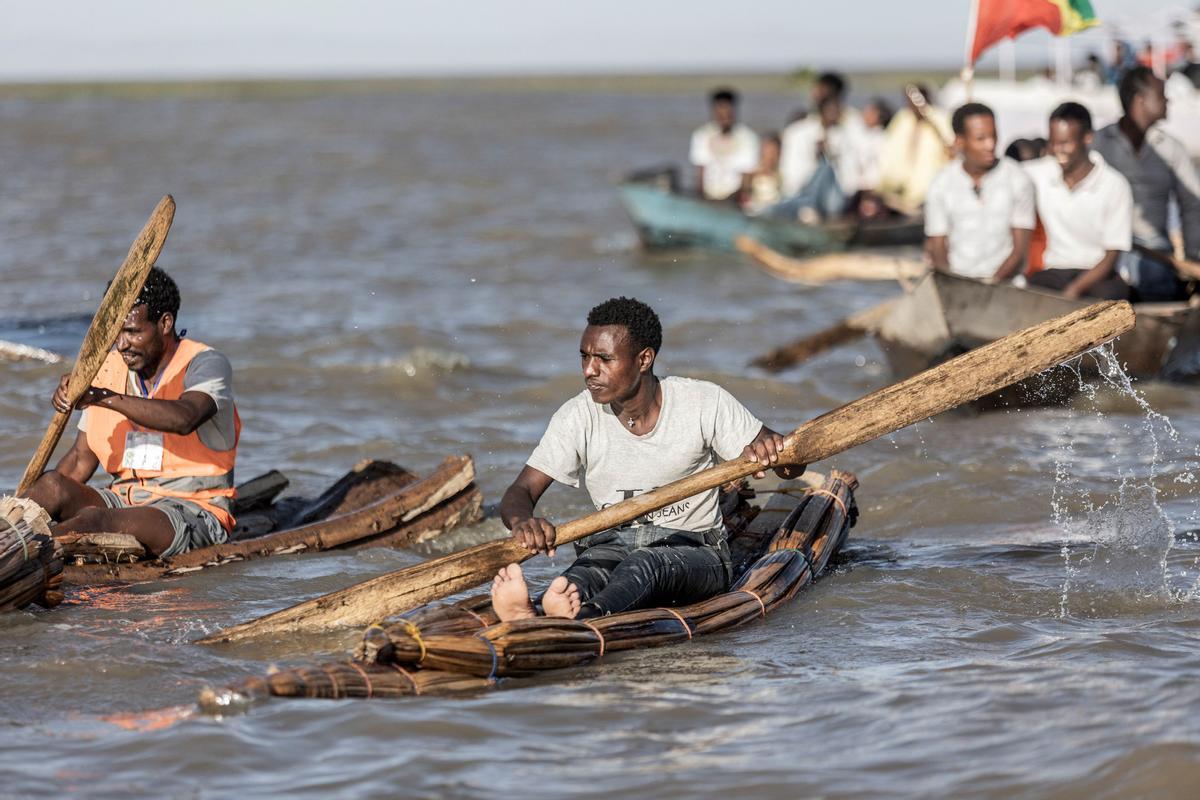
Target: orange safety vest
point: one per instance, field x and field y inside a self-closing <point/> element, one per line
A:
<point x="183" y="456"/>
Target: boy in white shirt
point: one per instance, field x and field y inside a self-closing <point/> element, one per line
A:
<point x="1086" y="208"/>
<point x="723" y="151"/>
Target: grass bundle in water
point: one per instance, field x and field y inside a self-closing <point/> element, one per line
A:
<point x="31" y="561"/>
<point x="462" y="647"/>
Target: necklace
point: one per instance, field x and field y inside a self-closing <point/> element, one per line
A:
<point x="630" y="421"/>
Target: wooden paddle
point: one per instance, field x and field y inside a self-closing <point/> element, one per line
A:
<point x="814" y="271"/>
<point x="960" y="380"/>
<point x="106" y="325"/>
<point x="844" y="330"/>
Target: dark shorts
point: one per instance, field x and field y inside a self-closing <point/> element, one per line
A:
<point x="194" y="527"/>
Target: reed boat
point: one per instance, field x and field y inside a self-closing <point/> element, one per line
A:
<point x="666" y="219"/>
<point x="461" y="646"/>
<point x="946" y="315"/>
<point x="375" y="504"/>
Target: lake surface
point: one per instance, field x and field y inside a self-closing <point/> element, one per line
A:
<point x="404" y="274"/>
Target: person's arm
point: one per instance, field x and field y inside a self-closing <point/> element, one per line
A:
<point x="516" y="511"/>
<point x="937" y="250"/>
<point x="1187" y="195"/>
<point x="765" y="450"/>
<point x="1103" y="269"/>
<point x="1016" y="259"/>
<point x="180" y="416"/>
<point x="79" y="463"/>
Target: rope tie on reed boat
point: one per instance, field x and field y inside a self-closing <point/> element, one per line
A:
<point x="415" y="633"/>
<point x="599" y="635"/>
<point x="761" y="604"/>
<point x="495" y="658"/>
<point x="836" y="499"/>
<point x="333" y="681"/>
<point x="412" y="681"/>
<point x="682" y="621"/>
<point x="482" y="622"/>
<point x="803" y="554"/>
<point x="366" y="678"/>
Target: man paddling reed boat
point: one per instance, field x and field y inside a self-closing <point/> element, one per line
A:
<point x="628" y="433"/>
<point x="160" y="418"/>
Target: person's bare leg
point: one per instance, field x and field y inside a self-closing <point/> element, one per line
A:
<point x="561" y="599"/>
<point x="510" y="595"/>
<point x="63" y="497"/>
<point x="150" y="526"/>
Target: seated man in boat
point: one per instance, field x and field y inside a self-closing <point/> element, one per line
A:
<point x="160" y="418"/>
<point x="1159" y="170"/>
<point x="979" y="210"/>
<point x="724" y="151"/>
<point x="627" y="433"/>
<point x="1085" y="206"/>
<point x="820" y="160"/>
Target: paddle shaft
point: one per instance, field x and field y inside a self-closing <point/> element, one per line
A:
<point x="105" y="328"/>
<point x="845" y="330"/>
<point x="960" y="380"/>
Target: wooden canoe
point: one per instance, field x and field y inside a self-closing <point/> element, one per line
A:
<point x="376" y="504"/>
<point x="946" y="315"/>
<point x="668" y="220"/>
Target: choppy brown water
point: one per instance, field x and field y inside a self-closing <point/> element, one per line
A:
<point x="403" y="275"/>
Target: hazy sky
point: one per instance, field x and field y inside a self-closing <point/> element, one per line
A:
<point x="156" y="39"/>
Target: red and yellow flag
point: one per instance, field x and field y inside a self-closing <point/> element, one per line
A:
<point x="1004" y="19"/>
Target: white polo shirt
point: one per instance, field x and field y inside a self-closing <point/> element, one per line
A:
<point x="978" y="226"/>
<point x="724" y="156"/>
<point x="1084" y="222"/>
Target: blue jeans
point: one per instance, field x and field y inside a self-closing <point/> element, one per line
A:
<point x="822" y="193"/>
<point x="649" y="566"/>
<point x="1152" y="280"/>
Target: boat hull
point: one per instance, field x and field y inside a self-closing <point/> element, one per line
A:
<point x="946" y="315"/>
<point x="666" y="220"/>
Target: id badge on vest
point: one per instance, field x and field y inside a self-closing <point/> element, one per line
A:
<point x="143" y="450"/>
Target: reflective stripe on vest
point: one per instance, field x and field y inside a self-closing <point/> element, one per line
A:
<point x="183" y="456"/>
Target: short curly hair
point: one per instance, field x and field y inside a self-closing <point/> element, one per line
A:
<point x="159" y="295"/>
<point x="635" y="316"/>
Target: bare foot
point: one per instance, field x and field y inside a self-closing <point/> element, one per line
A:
<point x="561" y="599"/>
<point x="510" y="595"/>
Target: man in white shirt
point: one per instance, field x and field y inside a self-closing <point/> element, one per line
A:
<point x="1086" y="208"/>
<point x="1158" y="169"/>
<point x="820" y="163"/>
<point x="979" y="210"/>
<point x="723" y="151"/>
<point x="629" y="433"/>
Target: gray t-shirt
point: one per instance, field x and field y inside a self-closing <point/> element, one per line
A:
<point x="698" y="425"/>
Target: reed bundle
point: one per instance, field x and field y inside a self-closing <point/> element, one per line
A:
<point x="31" y="561"/>
<point x="461" y="646"/>
<point x="459" y="642"/>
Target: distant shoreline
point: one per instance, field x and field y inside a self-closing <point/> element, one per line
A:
<point x="866" y="81"/>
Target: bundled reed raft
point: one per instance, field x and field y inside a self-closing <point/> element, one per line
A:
<point x="31" y="562"/>
<point x="462" y="646"/>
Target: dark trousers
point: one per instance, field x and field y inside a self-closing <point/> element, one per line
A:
<point x="675" y="568"/>
<point x="1111" y="288"/>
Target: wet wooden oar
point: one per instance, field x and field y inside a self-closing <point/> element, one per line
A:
<point x="960" y="380"/>
<point x="844" y="330"/>
<point x="816" y="270"/>
<point x="105" y="327"/>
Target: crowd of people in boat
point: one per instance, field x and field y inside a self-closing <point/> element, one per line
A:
<point x="1085" y="212"/>
<point x="827" y="161"/>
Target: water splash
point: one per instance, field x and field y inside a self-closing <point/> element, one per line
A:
<point x="1118" y="539"/>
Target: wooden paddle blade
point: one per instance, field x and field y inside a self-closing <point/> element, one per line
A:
<point x="106" y="325"/>
<point x="953" y="383"/>
<point x="845" y="330"/>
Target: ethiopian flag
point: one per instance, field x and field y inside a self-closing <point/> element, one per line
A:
<point x="1004" y="19"/>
